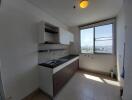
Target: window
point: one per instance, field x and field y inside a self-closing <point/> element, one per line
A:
<point x="103" y="39"/>
<point x="97" y="39"/>
<point x="87" y="42"/>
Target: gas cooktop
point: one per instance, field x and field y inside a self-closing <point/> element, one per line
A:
<point x="56" y="62"/>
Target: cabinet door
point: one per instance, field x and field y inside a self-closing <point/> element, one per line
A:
<point x="77" y="64"/>
<point x="41" y="29"/>
<point x="66" y="37"/>
<point x="62" y="77"/>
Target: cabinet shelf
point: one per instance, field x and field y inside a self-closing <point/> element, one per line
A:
<point x="48" y="32"/>
<point x="50" y="50"/>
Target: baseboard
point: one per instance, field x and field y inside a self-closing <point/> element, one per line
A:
<point x="37" y="91"/>
<point x="30" y="96"/>
<point x="46" y="94"/>
<point x="93" y="72"/>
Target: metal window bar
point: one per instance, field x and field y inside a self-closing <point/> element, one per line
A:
<point x="103" y="37"/>
<point x="104" y="40"/>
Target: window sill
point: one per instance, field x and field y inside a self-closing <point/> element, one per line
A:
<point x="97" y="53"/>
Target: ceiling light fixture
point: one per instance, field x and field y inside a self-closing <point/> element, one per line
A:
<point x="84" y="4"/>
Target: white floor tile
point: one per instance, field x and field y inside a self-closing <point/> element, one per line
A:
<point x="82" y="87"/>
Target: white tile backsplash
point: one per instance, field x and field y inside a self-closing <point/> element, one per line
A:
<point x="45" y="56"/>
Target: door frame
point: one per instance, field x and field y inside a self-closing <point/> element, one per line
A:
<point x="1" y="89"/>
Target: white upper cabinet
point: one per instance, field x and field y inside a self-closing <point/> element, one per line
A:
<point x="51" y="34"/>
<point x="65" y="37"/>
<point x="48" y="33"/>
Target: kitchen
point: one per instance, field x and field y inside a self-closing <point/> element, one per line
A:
<point x="43" y="52"/>
<point x="56" y="63"/>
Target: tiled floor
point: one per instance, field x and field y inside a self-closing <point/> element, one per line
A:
<point x="85" y="86"/>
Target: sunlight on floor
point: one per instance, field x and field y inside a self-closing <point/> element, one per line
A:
<point x="111" y="82"/>
<point x="102" y="80"/>
<point x="95" y="78"/>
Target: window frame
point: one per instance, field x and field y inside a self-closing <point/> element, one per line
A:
<point x="101" y="23"/>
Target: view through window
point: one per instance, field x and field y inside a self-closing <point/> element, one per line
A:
<point x="97" y="39"/>
<point x="87" y="43"/>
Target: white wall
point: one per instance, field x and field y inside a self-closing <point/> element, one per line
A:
<point x="128" y="57"/>
<point x="101" y="63"/>
<point x="18" y="46"/>
<point x="120" y="42"/>
<point x="97" y="62"/>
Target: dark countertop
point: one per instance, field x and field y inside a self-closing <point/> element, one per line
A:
<point x="56" y="62"/>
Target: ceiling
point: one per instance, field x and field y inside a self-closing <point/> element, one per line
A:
<point x="64" y="12"/>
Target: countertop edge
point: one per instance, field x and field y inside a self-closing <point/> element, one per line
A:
<point x="58" y="68"/>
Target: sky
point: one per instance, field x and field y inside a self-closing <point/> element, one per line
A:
<point x="100" y="31"/>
